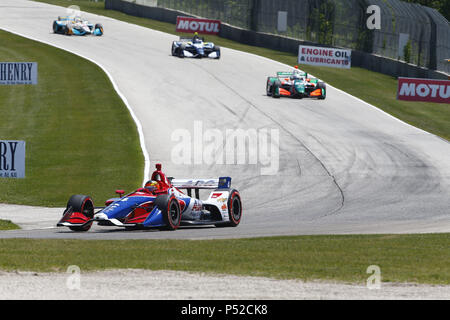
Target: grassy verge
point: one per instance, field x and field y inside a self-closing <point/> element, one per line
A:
<point x="372" y="87"/>
<point x="8" y="225"/>
<point x="73" y="124"/>
<point x="401" y="258"/>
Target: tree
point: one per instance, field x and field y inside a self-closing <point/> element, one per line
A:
<point x="443" y="6"/>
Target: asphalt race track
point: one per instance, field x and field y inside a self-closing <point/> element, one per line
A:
<point x="344" y="166"/>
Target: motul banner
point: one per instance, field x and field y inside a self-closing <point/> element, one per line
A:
<point x="326" y="57"/>
<point x="191" y="25"/>
<point x="427" y="90"/>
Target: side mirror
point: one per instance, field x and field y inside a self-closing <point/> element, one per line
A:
<point x="120" y="192"/>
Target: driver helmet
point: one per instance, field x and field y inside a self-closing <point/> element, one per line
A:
<point x="196" y="38"/>
<point x="152" y="185"/>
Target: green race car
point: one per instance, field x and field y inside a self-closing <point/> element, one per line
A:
<point x="295" y="84"/>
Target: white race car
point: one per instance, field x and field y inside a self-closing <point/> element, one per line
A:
<point x="76" y="26"/>
<point x="195" y="47"/>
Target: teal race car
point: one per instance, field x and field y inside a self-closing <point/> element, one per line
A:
<point x="295" y="84"/>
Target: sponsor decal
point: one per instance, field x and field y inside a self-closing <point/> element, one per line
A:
<point x="12" y="159"/>
<point x="197" y="206"/>
<point x="327" y="57"/>
<point x="12" y="73"/>
<point x="111" y="207"/>
<point x="203" y="26"/>
<point x="224" y="207"/>
<point x="194" y="183"/>
<point x="427" y="90"/>
<point x="216" y="195"/>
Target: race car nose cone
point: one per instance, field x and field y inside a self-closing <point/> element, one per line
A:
<point x="100" y="216"/>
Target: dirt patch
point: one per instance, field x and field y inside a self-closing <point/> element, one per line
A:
<point x="146" y="284"/>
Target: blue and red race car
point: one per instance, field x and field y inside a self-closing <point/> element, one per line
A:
<point x="159" y="204"/>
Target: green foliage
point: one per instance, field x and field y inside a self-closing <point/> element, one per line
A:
<point x="7" y="225"/>
<point x="321" y="23"/>
<point x="443" y="6"/>
<point x="407" y="52"/>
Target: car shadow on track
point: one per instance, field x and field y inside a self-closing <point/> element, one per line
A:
<point x="137" y="230"/>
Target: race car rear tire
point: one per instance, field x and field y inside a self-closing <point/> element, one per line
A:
<point x="234" y="210"/>
<point x="170" y="210"/>
<point x="83" y="204"/>
<point x="323" y="86"/>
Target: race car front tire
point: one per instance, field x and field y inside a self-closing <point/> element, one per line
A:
<point x="217" y="50"/>
<point x="322" y="86"/>
<point x="174" y="49"/>
<point x="180" y="50"/>
<point x="170" y="210"/>
<point x="83" y="204"/>
<point x="99" y="26"/>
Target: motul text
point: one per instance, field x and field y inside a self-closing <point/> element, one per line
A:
<point x="191" y="25"/>
<point x="427" y="90"/>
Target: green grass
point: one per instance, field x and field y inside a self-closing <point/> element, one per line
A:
<point x="80" y="137"/>
<point x="401" y="258"/>
<point x="8" y="225"/>
<point x="372" y="87"/>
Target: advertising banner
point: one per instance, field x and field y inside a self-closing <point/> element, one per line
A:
<point x="18" y="73"/>
<point x="12" y="159"/>
<point x="202" y="26"/>
<point x="427" y="90"/>
<point x="325" y="57"/>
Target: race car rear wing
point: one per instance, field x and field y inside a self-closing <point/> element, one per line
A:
<point x="66" y="18"/>
<point x="220" y="183"/>
<point x="197" y="184"/>
<point x="187" y="39"/>
<point x="286" y="74"/>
